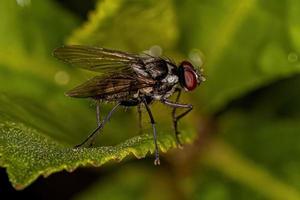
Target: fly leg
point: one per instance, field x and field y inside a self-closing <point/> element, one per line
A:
<point x="156" y="161"/>
<point x="98" y="121"/>
<point x="140" y="118"/>
<point x="97" y="130"/>
<point x="175" y="124"/>
<point x="176" y="105"/>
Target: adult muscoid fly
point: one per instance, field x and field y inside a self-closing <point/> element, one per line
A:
<point x="131" y="80"/>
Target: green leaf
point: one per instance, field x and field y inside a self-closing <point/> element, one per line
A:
<point x="129" y="25"/>
<point x="27" y="153"/>
<point x="247" y="45"/>
<point x="28" y="37"/>
<point x="28" y="71"/>
<point x="264" y="129"/>
<point x="268" y="140"/>
<point x="293" y="12"/>
<point x="38" y="123"/>
<point x="28" y="30"/>
<point x="226" y="160"/>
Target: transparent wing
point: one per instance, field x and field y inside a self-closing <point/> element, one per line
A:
<point x="95" y="58"/>
<point x="117" y="85"/>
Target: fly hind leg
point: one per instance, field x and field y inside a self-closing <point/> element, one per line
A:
<point x="140" y="118"/>
<point x="97" y="130"/>
<point x="98" y="118"/>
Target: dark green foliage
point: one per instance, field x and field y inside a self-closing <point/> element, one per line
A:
<point x="244" y="129"/>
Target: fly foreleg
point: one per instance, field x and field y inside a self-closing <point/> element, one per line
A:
<point x="175" y="117"/>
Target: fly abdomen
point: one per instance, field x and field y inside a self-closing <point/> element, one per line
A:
<point x="130" y="102"/>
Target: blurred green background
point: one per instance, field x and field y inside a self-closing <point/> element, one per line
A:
<point x="246" y="117"/>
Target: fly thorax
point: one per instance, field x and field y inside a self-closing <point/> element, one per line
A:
<point x="170" y="79"/>
<point x="156" y="68"/>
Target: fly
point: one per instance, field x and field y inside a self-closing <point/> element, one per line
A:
<point x="128" y="80"/>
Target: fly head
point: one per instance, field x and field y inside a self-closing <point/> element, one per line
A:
<point x="189" y="77"/>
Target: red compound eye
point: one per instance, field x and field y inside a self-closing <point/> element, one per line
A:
<point x="190" y="79"/>
<point x="189" y="76"/>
